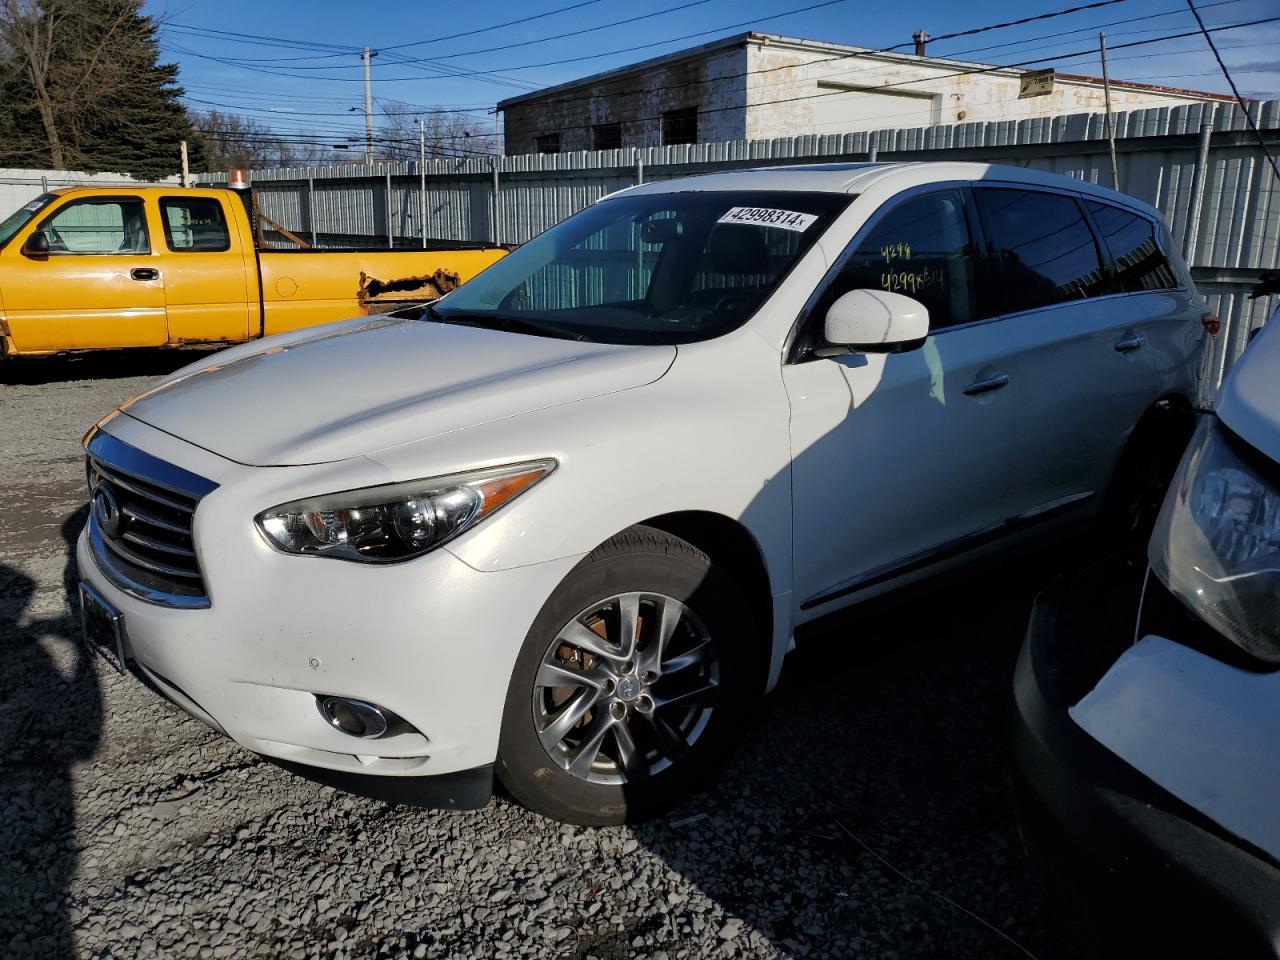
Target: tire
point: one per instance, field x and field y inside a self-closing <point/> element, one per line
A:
<point x="1143" y="474"/>
<point x="662" y="716"/>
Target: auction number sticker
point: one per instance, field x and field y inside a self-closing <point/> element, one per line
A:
<point x="764" y="217"/>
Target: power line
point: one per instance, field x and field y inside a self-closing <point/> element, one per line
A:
<point x="745" y="23"/>
<point x="343" y="113"/>
<point x="1090" y="29"/>
<point x="496" y="26"/>
<point x="1248" y="116"/>
<point x="261" y="40"/>
<point x="511" y="46"/>
<point x="489" y="76"/>
<point x="439" y="71"/>
<point x="832" y="58"/>
<point x="287" y="43"/>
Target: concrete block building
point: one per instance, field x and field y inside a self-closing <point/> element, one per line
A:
<point x="758" y="85"/>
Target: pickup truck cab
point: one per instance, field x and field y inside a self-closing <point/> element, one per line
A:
<point x="562" y="524"/>
<point x="89" y="268"/>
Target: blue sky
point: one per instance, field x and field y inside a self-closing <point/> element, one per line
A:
<point x="300" y="68"/>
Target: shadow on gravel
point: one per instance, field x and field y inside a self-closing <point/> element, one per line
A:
<point x="97" y="366"/>
<point x="50" y="719"/>
<point x="870" y="813"/>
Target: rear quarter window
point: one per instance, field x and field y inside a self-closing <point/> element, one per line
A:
<point x="1134" y="257"/>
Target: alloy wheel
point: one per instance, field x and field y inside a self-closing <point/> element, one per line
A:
<point x="626" y="688"/>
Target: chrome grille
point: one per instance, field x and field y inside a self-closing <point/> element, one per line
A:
<point x="140" y="515"/>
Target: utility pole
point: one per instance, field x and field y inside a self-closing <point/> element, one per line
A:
<point x="186" y="167"/>
<point x="1111" y="128"/>
<point x="422" y="178"/>
<point x="368" y="106"/>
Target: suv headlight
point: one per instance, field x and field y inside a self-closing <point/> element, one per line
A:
<point x="396" y="521"/>
<point x="1216" y="543"/>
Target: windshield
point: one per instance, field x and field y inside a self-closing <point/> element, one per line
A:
<point x="20" y="217"/>
<point x="654" y="268"/>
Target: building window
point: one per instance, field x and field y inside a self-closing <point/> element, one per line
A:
<point x="606" y="136"/>
<point x="680" y="126"/>
<point x="547" y="143"/>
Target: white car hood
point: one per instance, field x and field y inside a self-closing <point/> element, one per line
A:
<point x="1250" y="399"/>
<point x="352" y="388"/>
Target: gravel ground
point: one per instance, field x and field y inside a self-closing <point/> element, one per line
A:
<point x="868" y="815"/>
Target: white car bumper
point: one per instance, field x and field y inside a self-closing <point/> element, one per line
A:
<point x="432" y="640"/>
<point x="1199" y="728"/>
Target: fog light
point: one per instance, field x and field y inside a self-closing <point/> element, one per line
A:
<point x="354" y="717"/>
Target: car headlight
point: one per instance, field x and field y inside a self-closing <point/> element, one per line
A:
<point x="396" y="521"/>
<point x="1216" y="543"/>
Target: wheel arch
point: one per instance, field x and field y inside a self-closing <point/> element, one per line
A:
<point x="1171" y="411"/>
<point x="1167" y="423"/>
<point x="733" y="548"/>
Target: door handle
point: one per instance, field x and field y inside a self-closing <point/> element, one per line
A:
<point x="1130" y="343"/>
<point x="145" y="273"/>
<point x="987" y="384"/>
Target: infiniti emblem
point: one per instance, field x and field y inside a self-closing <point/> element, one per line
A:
<point x="106" y="511"/>
<point x="628" y="688"/>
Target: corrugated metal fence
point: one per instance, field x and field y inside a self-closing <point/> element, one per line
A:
<point x="1223" y="205"/>
<point x="19" y="186"/>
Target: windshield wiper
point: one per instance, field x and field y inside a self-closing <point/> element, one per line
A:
<point x="487" y="321"/>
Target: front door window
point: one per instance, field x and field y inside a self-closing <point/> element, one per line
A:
<point x="98" y="227"/>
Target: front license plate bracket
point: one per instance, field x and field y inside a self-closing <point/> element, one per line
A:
<point x="102" y="628"/>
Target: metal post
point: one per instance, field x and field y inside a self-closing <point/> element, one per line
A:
<point x="311" y="208"/>
<point x="422" y="179"/>
<point x="497" y="205"/>
<point x="1111" y="128"/>
<point x="638" y="290"/>
<point x="368" y="107"/>
<point x="186" y="168"/>
<point x="391" y="230"/>
<point x="1198" y="179"/>
<point x="875" y="148"/>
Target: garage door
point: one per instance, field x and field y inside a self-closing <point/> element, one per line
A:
<point x="846" y="110"/>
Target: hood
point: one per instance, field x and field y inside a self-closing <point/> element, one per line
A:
<point x="1249" y="402"/>
<point x="357" y="387"/>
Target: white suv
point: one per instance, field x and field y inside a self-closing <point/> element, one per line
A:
<point x="564" y="522"/>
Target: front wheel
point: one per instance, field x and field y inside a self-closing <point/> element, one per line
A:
<point x="631" y="685"/>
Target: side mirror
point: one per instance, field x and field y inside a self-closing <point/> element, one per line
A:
<point x="37" y="245"/>
<point x="874" y="321"/>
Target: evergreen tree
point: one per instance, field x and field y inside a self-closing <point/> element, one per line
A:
<point x="83" y="89"/>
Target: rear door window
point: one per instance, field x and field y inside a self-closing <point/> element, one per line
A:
<point x="920" y="248"/>
<point x="1043" y="245"/>
<point x="194" y="225"/>
<point x="1134" y="258"/>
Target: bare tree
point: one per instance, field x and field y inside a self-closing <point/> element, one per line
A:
<point x="448" y="133"/>
<point x="232" y="141"/>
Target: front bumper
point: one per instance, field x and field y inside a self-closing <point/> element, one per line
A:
<point x="432" y="640"/>
<point x="1170" y="872"/>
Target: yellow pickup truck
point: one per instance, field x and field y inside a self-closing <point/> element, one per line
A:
<point x="91" y="268"/>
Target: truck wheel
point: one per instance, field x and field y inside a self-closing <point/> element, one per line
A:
<point x="632" y="684"/>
